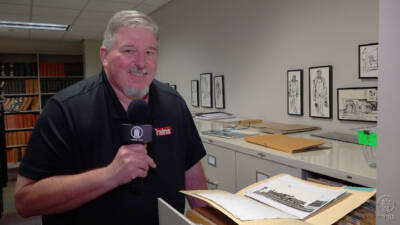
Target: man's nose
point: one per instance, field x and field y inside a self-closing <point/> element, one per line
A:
<point x="140" y="60"/>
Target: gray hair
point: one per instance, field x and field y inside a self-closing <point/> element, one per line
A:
<point x="127" y="18"/>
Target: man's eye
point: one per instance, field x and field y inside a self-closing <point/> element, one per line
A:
<point x="150" y="53"/>
<point x="129" y="51"/>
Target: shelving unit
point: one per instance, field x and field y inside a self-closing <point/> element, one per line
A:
<point x="29" y="81"/>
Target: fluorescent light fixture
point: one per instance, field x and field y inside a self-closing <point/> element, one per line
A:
<point x="29" y="25"/>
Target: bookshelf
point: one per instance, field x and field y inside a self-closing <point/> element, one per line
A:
<point x="30" y="80"/>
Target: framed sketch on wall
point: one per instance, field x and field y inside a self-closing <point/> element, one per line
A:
<point x="368" y="61"/>
<point x="357" y="104"/>
<point x="173" y="86"/>
<point x="219" y="92"/>
<point x="320" y="95"/>
<point x="206" y="90"/>
<point x="194" y="93"/>
<point x="295" y="92"/>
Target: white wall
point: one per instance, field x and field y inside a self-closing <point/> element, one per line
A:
<point x="253" y="43"/>
<point x="91" y="57"/>
<point x="389" y="122"/>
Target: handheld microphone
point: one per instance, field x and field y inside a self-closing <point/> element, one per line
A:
<point x="138" y="131"/>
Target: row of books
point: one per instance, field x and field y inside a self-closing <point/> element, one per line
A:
<point x="363" y="215"/>
<point x="17" y="121"/>
<point x="18" y="69"/>
<point x="19" y="104"/>
<point x="55" y="85"/>
<point x="17" y="138"/>
<point x="15" y="154"/>
<point x="29" y="86"/>
<point x="60" y="69"/>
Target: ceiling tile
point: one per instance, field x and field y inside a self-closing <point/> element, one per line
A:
<point x="108" y="6"/>
<point x="16" y="2"/>
<point x="53" y="12"/>
<point x="15" y="17"/>
<point x="95" y="17"/>
<point x="53" y="19"/>
<point x="14" y="9"/>
<point x="156" y="2"/>
<point x="66" y="4"/>
<point x="146" y="8"/>
<point x="14" y="33"/>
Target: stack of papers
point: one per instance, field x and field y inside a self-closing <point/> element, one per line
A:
<point x="285" y="143"/>
<point x="229" y="133"/>
<point x="282" y="128"/>
<point x="214" y="115"/>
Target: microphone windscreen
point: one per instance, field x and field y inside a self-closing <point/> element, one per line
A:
<point x="138" y="112"/>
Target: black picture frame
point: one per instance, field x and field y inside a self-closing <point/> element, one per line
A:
<point x="357" y="104"/>
<point x="194" y="84"/>
<point x="368" y="61"/>
<point x="173" y="86"/>
<point x="320" y="91"/>
<point x="206" y="97"/>
<point x="295" y="92"/>
<point x="219" y="92"/>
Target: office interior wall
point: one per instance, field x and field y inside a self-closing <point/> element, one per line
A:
<point x="91" y="57"/>
<point x="388" y="209"/>
<point x="254" y="43"/>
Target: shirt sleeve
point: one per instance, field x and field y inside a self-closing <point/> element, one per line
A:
<point x="195" y="148"/>
<point x="49" y="150"/>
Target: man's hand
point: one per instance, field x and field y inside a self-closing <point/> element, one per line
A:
<point x="130" y="162"/>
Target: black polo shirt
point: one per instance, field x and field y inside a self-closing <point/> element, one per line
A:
<point x="79" y="130"/>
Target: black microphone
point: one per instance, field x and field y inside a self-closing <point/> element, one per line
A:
<point x="138" y="131"/>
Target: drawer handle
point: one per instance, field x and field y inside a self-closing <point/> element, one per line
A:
<point x="261" y="154"/>
<point x="212" y="182"/>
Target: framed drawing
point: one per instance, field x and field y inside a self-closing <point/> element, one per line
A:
<point x="320" y="96"/>
<point x="368" y="61"/>
<point x="194" y="93"/>
<point x="295" y="92"/>
<point x="206" y="90"/>
<point x="173" y="86"/>
<point x="357" y="104"/>
<point x="219" y="92"/>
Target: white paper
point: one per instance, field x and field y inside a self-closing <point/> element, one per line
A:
<point x="293" y="196"/>
<point x="245" y="208"/>
<point x="214" y="116"/>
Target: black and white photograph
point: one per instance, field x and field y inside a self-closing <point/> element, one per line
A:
<point x="194" y="93"/>
<point x="368" y="61"/>
<point x="206" y="90"/>
<point x="295" y="92"/>
<point x="219" y="92"/>
<point x="358" y="104"/>
<point x="320" y="96"/>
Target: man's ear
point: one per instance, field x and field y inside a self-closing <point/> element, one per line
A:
<point x="103" y="55"/>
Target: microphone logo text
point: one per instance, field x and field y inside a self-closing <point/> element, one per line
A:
<point x="136" y="132"/>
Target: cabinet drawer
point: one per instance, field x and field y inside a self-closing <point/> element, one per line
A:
<point x="248" y="168"/>
<point x="219" y="167"/>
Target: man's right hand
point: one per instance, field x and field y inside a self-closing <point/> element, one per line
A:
<point x="130" y="162"/>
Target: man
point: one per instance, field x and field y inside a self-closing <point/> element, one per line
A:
<point x="76" y="169"/>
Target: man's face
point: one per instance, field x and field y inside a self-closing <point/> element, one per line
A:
<point x="131" y="63"/>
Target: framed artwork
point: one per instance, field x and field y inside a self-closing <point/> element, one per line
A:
<point x="219" y="92"/>
<point x="320" y="96"/>
<point x="173" y="86"/>
<point x="357" y="104"/>
<point x="368" y="61"/>
<point x="194" y="92"/>
<point x="295" y="92"/>
<point x="206" y="90"/>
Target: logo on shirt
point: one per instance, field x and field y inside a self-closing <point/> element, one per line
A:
<point x="136" y="132"/>
<point x="163" y="131"/>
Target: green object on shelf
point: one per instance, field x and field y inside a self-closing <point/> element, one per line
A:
<point x="367" y="138"/>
